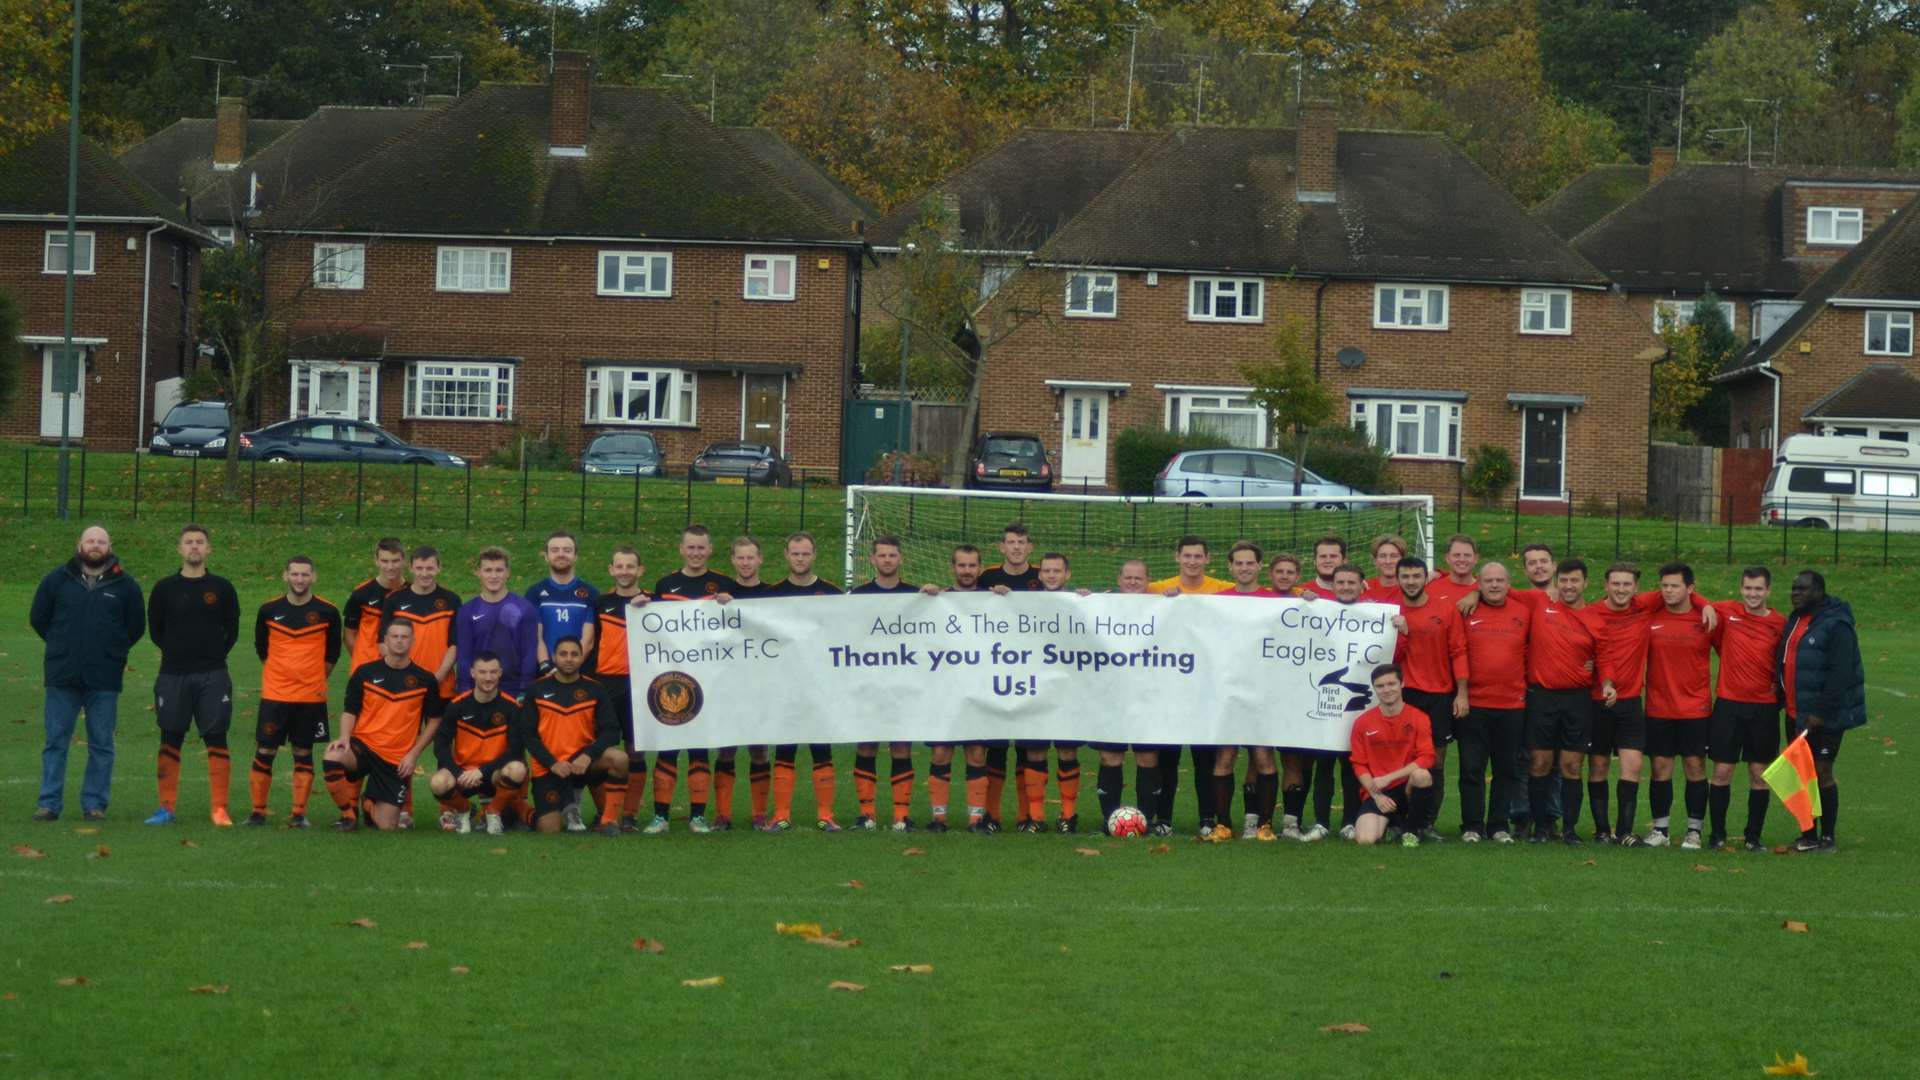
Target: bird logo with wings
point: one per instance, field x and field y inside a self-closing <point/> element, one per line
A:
<point x="1334" y="696"/>
<point x="674" y="698"/>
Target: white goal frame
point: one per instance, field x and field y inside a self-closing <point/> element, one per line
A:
<point x="1419" y="504"/>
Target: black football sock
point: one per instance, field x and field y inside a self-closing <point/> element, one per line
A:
<point x="1757" y="800"/>
<point x="1570" y="802"/>
<point x="1439" y="792"/>
<point x="1169" y="782"/>
<point x="1829" y="810"/>
<point x="1660" y="803"/>
<point x="1250" y="796"/>
<point x="1203" y="796"/>
<point x="1147" y="782"/>
<point x="1323" y="773"/>
<point x="1421" y="808"/>
<point x="1222" y="797"/>
<point x="1349" y="792"/>
<point x="1266" y="791"/>
<point x="1107" y="786"/>
<point x="1293" y="801"/>
<point x="1718" y="796"/>
<point x="1629" y="794"/>
<point x="1696" y="803"/>
<point x="1597" y="800"/>
<point x="1537" y="787"/>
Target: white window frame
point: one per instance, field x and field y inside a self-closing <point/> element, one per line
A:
<point x="1539" y="302"/>
<point x="1182" y="402"/>
<point x="1098" y="284"/>
<point x="488" y="264"/>
<point x="1904" y="484"/>
<point x="366" y="387"/>
<point x="682" y="396"/>
<point x="1891" y="322"/>
<point x="222" y="233"/>
<point x="1423" y="414"/>
<point x="1834" y="217"/>
<point x="647" y="268"/>
<point x="769" y="273"/>
<point x="57" y="240"/>
<point x="340" y="266"/>
<point x="1395" y="295"/>
<point x="495" y="404"/>
<point x="1680" y="313"/>
<point x="1216" y="289"/>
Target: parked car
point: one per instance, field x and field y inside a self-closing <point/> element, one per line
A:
<point x="623" y="453"/>
<point x="1843" y="482"/>
<point x="739" y="463"/>
<point x="1243" y="473"/>
<point x="321" y="438"/>
<point x="1009" y="461"/>
<point x="193" y="429"/>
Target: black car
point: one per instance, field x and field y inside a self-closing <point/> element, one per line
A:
<point x="192" y="429"/>
<point x="623" y="453"/>
<point x="321" y="438"/>
<point x="1009" y="461"/>
<point x="739" y="463"/>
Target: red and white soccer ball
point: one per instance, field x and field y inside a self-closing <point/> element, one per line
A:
<point x="1127" y="821"/>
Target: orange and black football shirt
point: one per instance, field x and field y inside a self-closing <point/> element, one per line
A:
<point x="432" y="617"/>
<point x="679" y="586"/>
<point x="477" y="734"/>
<point x="565" y="719"/>
<point x="298" y="644"/>
<point x="390" y="705"/>
<point x="610" y="643"/>
<point x="362" y="618"/>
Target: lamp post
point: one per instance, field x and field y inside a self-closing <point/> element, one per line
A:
<point x="68" y="370"/>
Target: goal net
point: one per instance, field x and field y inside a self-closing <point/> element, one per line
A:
<point x="1099" y="532"/>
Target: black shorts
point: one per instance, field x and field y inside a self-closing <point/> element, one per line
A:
<point x="620" y="696"/>
<point x="489" y="773"/>
<point x="203" y="700"/>
<point x="1743" y="731"/>
<point x="383" y="781"/>
<point x="1677" y="738"/>
<point x="1617" y="727"/>
<point x="1398" y="817"/>
<point x="1559" y="719"/>
<point x="551" y="793"/>
<point x="1439" y="710"/>
<point x="302" y="723"/>
<point x="1825" y="742"/>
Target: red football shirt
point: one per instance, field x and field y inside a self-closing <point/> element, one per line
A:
<point x="1382" y="744"/>
<point x="1679" y="666"/>
<point x="1497" y="655"/>
<point x="1560" y="644"/>
<point x="1747" y="646"/>
<point x="1621" y="637"/>
<point x="1312" y="585"/>
<point x="1432" y="654"/>
<point x="1444" y="590"/>
<point x="1381" y="591"/>
<point x="1790" y="663"/>
<point x="1262" y="592"/>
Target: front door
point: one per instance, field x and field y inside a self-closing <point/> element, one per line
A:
<point x="764" y="411"/>
<point x="57" y="376"/>
<point x="1544" y="452"/>
<point x="343" y="389"/>
<point x="1083" y="437"/>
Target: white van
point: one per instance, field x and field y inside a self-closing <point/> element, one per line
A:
<point x="1838" y="481"/>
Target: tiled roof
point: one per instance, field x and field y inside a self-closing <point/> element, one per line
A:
<point x="323" y="145"/>
<point x="1881" y="392"/>
<point x="1407" y="206"/>
<point x="33" y="183"/>
<point x="177" y="160"/>
<point x="1589" y="197"/>
<point x="810" y="179"/>
<point x="653" y="169"/>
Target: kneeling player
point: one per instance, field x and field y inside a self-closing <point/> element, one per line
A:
<point x="479" y="758"/>
<point x="391" y="713"/>
<point x="569" y="727"/>
<point x="1392" y="753"/>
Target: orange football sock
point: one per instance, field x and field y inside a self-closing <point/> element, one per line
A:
<point x="219" y="777"/>
<point x="169" y="776"/>
<point x="757" y="776"/>
<point x="976" y="793"/>
<point x="782" y="790"/>
<point x="723" y="780"/>
<point x="939" y="788"/>
<point x="699" y="785"/>
<point x="636" y="787"/>
<point x="902" y="788"/>
<point x="823" y="790"/>
<point x="260" y="782"/>
<point x="996" y="791"/>
<point x="504" y="796"/>
<point x="611" y="796"/>
<point x="1069" y="778"/>
<point x="866" y="783"/>
<point x="345" y="792"/>
<point x="302" y="782"/>
<point x="1033" y="790"/>
<point x="666" y="776"/>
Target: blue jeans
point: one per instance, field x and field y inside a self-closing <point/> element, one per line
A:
<point x="63" y="708"/>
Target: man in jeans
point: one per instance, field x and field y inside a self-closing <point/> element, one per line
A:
<point x="89" y="612"/>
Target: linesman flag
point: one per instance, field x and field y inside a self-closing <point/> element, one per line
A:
<point x="1791" y="777"/>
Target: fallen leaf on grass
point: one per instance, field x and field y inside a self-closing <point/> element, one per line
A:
<point x="100" y="852"/>
<point x="911" y="969"/>
<point x="1736" y="870"/>
<point x="842" y="984"/>
<point x="364" y="923"/>
<point x="460" y="969"/>
<point x="1589" y="862"/>
<point x="712" y="980"/>
<point x="416" y="946"/>
<point x="912" y="851"/>
<point x="1782" y="1067"/>
<point x="60" y="898"/>
<point x="1086" y="851"/>
<point x="9" y="996"/>
<point x="799" y="929"/>
<point x="497" y="851"/>
<point x="1656" y="941"/>
<point x="1782" y="849"/>
<point x="1379" y="866"/>
<point x="72" y="980"/>
<point x="1346" y="1029"/>
<point x="1702" y="868"/>
<point x="835" y="941"/>
<point x="188" y="843"/>
<point x="28" y="851"/>
<point x="648" y="945"/>
<point x="1160" y="849"/>
<point x="856" y="883"/>
<point x="209" y="988"/>
<point x="1795" y="926"/>
<point x="86" y="830"/>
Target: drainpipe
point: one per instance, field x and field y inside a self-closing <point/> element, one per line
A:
<point x="1774" y="431"/>
<point x="1319" y="297"/>
<point x="146" y="308"/>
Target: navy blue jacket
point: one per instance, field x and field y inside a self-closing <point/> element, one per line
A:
<point x="88" y="631"/>
<point x="1828" y="679"/>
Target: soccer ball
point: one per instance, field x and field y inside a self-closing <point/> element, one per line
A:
<point x="1127" y="821"/>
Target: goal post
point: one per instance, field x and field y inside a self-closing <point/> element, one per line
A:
<point x="1099" y="532"/>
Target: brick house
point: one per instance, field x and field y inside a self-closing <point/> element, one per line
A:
<point x="1844" y="363"/>
<point x="1442" y="315"/>
<point x="136" y="277"/>
<point x="561" y="260"/>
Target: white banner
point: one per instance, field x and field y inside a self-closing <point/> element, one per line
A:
<point x="1187" y="670"/>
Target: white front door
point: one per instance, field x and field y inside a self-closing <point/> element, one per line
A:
<point x="343" y="389"/>
<point x="56" y="377"/>
<point x="1083" y="437"/>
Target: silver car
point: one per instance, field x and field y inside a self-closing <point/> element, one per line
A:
<point x="1243" y="473"/>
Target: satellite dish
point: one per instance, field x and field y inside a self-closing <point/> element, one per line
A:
<point x="1351" y="357"/>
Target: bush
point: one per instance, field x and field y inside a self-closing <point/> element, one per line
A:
<point x="1139" y="453"/>
<point x="1345" y="455"/>
<point x="918" y="470"/>
<point x="541" y="453"/>
<point x="1489" y="472"/>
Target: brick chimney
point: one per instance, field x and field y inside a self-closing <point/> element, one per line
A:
<point x="572" y="104"/>
<point x="1315" y="145"/>
<point x="229" y="132"/>
<point x="1661" y="164"/>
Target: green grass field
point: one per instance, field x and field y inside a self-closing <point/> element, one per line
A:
<point x="1520" y="961"/>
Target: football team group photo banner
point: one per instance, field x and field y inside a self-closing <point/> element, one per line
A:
<point x="974" y="667"/>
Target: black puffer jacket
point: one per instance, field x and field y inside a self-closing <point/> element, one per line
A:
<point x="88" y="631"/>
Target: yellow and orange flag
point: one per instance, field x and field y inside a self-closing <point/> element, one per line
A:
<point x="1791" y="777"/>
